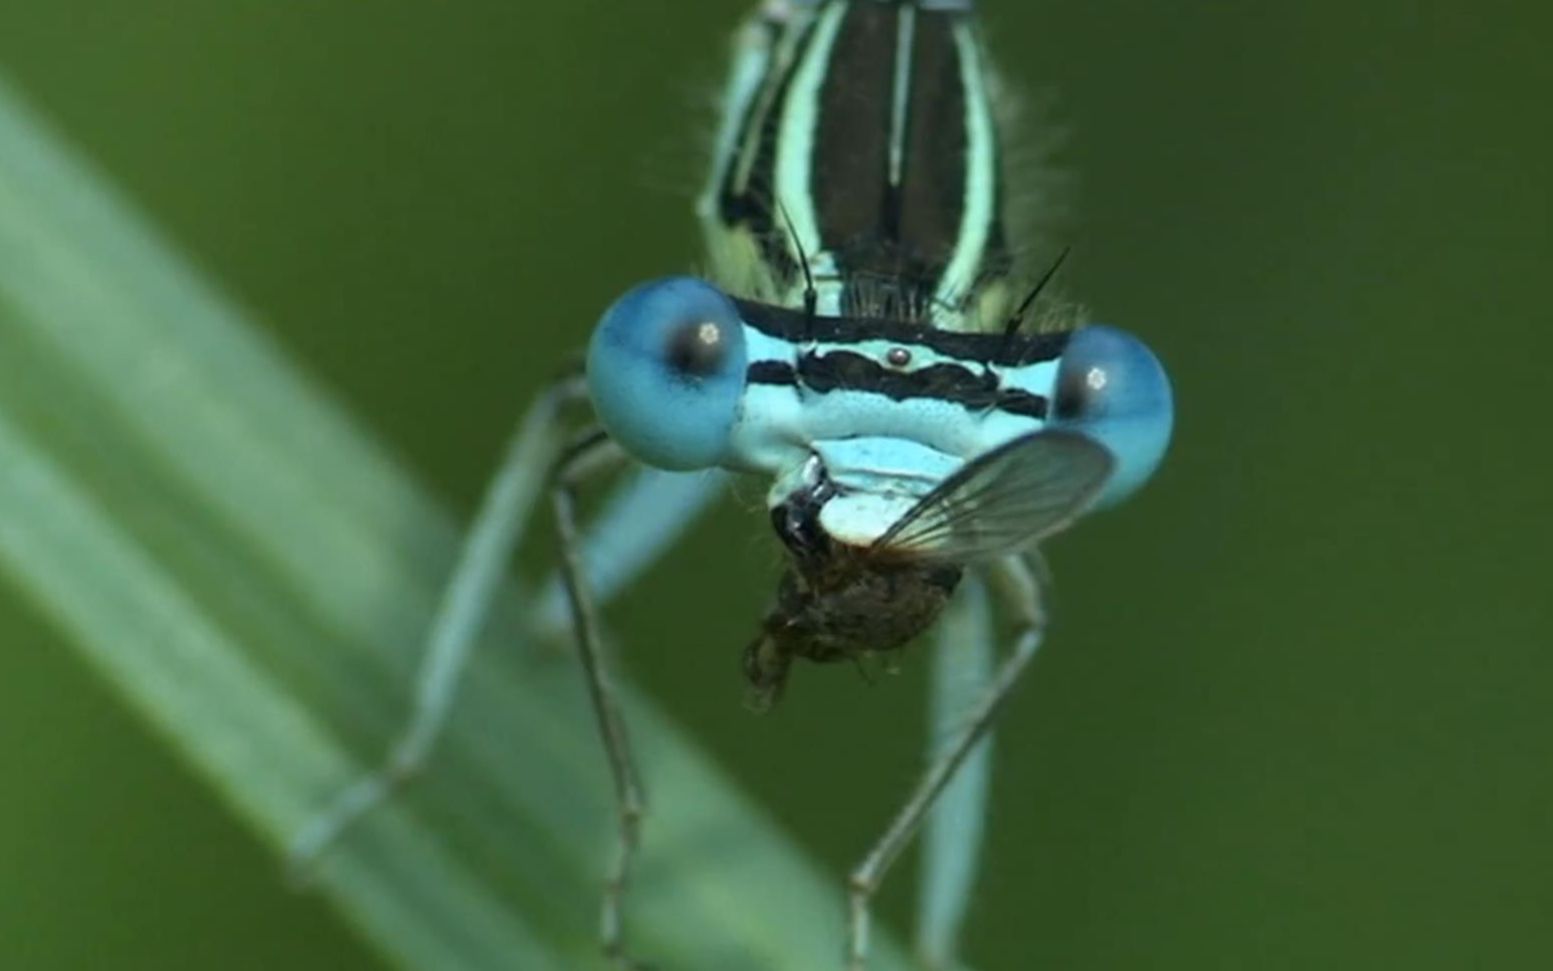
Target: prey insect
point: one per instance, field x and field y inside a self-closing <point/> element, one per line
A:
<point x="862" y="343"/>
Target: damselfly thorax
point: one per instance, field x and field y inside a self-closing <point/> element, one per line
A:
<point x="859" y="139"/>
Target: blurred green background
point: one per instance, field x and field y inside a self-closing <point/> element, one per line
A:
<point x="1297" y="709"/>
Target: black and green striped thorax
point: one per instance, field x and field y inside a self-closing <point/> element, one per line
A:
<point x="859" y="138"/>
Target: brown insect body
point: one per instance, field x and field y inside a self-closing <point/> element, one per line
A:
<point x="836" y="601"/>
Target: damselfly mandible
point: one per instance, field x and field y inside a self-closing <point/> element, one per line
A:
<point x="867" y="342"/>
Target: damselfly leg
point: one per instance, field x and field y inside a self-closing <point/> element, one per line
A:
<point x="964" y="659"/>
<point x="496" y="531"/>
<point x="639" y="520"/>
<point x="629" y="801"/>
<point x="1017" y="587"/>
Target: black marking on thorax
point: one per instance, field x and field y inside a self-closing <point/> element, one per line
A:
<point x="748" y="201"/>
<point x="891" y="233"/>
<point x="848" y="371"/>
<point x="969" y="379"/>
<point x="972" y="347"/>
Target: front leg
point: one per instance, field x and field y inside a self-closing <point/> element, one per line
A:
<point x="629" y="802"/>
<point x="965" y="654"/>
<point x="482" y="564"/>
<point x="1019" y="590"/>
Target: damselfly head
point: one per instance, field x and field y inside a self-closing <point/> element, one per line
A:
<point x="862" y="351"/>
<point x="666" y="369"/>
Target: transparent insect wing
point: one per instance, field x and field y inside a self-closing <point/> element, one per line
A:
<point x="1004" y="501"/>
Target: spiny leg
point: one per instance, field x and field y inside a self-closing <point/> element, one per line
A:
<point x="640" y="519"/>
<point x="495" y="532"/>
<point x="964" y="657"/>
<point x="482" y="563"/>
<point x="601" y="693"/>
<point x="1017" y="587"/>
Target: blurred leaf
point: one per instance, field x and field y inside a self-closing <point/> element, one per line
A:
<point x="252" y="572"/>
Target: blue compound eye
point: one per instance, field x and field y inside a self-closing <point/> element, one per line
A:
<point x="1111" y="387"/>
<point x="666" y="370"/>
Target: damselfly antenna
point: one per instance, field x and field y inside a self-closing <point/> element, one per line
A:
<point x="811" y="296"/>
<point x="1017" y="318"/>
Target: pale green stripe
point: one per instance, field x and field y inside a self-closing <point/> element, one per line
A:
<point x="981" y="172"/>
<point x="800" y="120"/>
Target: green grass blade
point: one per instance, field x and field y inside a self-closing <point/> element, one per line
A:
<point x="252" y="572"/>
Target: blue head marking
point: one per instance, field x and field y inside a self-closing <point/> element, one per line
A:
<point x="1111" y="387"/>
<point x="666" y="371"/>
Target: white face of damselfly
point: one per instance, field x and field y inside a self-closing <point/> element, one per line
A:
<point x="861" y="341"/>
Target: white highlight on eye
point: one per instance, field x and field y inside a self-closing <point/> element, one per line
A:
<point x="1095" y="378"/>
<point x="708" y="334"/>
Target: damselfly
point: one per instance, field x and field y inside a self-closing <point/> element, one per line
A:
<point x="865" y="344"/>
